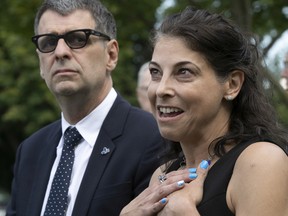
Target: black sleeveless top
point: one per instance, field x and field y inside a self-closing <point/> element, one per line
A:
<point x="216" y="183"/>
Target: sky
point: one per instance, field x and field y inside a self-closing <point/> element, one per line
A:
<point x="277" y="52"/>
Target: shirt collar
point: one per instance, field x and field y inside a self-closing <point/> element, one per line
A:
<point x="90" y="125"/>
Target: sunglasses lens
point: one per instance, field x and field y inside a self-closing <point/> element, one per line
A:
<point x="75" y="40"/>
<point x="47" y="43"/>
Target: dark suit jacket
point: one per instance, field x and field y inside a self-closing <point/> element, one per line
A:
<point x="110" y="181"/>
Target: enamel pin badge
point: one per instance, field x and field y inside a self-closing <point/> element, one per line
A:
<point x="105" y="151"/>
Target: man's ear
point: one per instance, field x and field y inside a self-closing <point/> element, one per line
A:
<point x="112" y="50"/>
<point x="233" y="84"/>
<point x="41" y="71"/>
<point x="42" y="74"/>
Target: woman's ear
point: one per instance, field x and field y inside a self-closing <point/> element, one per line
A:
<point x="234" y="84"/>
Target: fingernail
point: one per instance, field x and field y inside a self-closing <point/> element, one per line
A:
<point x="204" y="164"/>
<point x="193" y="175"/>
<point x="163" y="201"/>
<point x="192" y="170"/>
<point x="180" y="183"/>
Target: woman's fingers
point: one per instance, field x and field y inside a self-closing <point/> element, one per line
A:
<point x="158" y="206"/>
<point x="196" y="187"/>
<point x="202" y="170"/>
<point x="154" y="198"/>
<point x="151" y="200"/>
<point x="166" y="188"/>
<point x="187" y="175"/>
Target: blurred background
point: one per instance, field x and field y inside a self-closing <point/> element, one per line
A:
<point x="26" y="104"/>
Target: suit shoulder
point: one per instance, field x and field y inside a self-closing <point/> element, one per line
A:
<point x="45" y="131"/>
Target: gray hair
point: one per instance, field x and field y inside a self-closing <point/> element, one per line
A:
<point x="103" y="18"/>
<point x="141" y="73"/>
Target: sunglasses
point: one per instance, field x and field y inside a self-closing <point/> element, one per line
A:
<point x="75" y="39"/>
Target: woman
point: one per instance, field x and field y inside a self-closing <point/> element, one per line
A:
<point x="207" y="95"/>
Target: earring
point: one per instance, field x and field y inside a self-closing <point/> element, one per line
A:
<point x="229" y="98"/>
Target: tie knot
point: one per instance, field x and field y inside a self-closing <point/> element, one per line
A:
<point x="72" y="136"/>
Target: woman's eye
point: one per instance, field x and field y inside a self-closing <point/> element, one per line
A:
<point x="184" y="71"/>
<point x="154" y="73"/>
<point x="186" y="74"/>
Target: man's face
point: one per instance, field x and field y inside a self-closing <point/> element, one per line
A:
<point x="83" y="72"/>
<point x="142" y="88"/>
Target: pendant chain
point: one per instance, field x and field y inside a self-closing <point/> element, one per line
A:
<point x="183" y="162"/>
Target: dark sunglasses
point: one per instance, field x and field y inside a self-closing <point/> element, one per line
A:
<point x="75" y="39"/>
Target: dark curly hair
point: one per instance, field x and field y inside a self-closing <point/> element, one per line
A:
<point x="228" y="48"/>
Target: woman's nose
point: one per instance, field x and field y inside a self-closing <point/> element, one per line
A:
<point x="165" y="88"/>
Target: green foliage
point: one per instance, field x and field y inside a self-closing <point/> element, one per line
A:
<point x="25" y="101"/>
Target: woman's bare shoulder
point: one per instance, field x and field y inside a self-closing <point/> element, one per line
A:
<point x="260" y="174"/>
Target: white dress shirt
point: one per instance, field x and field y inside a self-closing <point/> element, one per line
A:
<point x="89" y="128"/>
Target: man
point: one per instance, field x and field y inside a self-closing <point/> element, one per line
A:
<point x="115" y="148"/>
<point x="143" y="81"/>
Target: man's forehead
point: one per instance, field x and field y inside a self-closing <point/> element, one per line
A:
<point x="54" y="22"/>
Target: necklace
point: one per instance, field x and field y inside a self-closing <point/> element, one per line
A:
<point x="183" y="161"/>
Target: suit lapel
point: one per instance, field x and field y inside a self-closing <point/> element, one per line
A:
<point x="42" y="173"/>
<point x="93" y="173"/>
<point x="99" y="159"/>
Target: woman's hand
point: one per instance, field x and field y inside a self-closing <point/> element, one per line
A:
<point x="184" y="202"/>
<point x="153" y="198"/>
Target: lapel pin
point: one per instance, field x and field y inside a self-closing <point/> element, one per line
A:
<point x="105" y="151"/>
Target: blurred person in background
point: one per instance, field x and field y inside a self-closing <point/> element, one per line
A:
<point x="143" y="81"/>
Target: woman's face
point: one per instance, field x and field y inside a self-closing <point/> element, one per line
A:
<point x="186" y="97"/>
